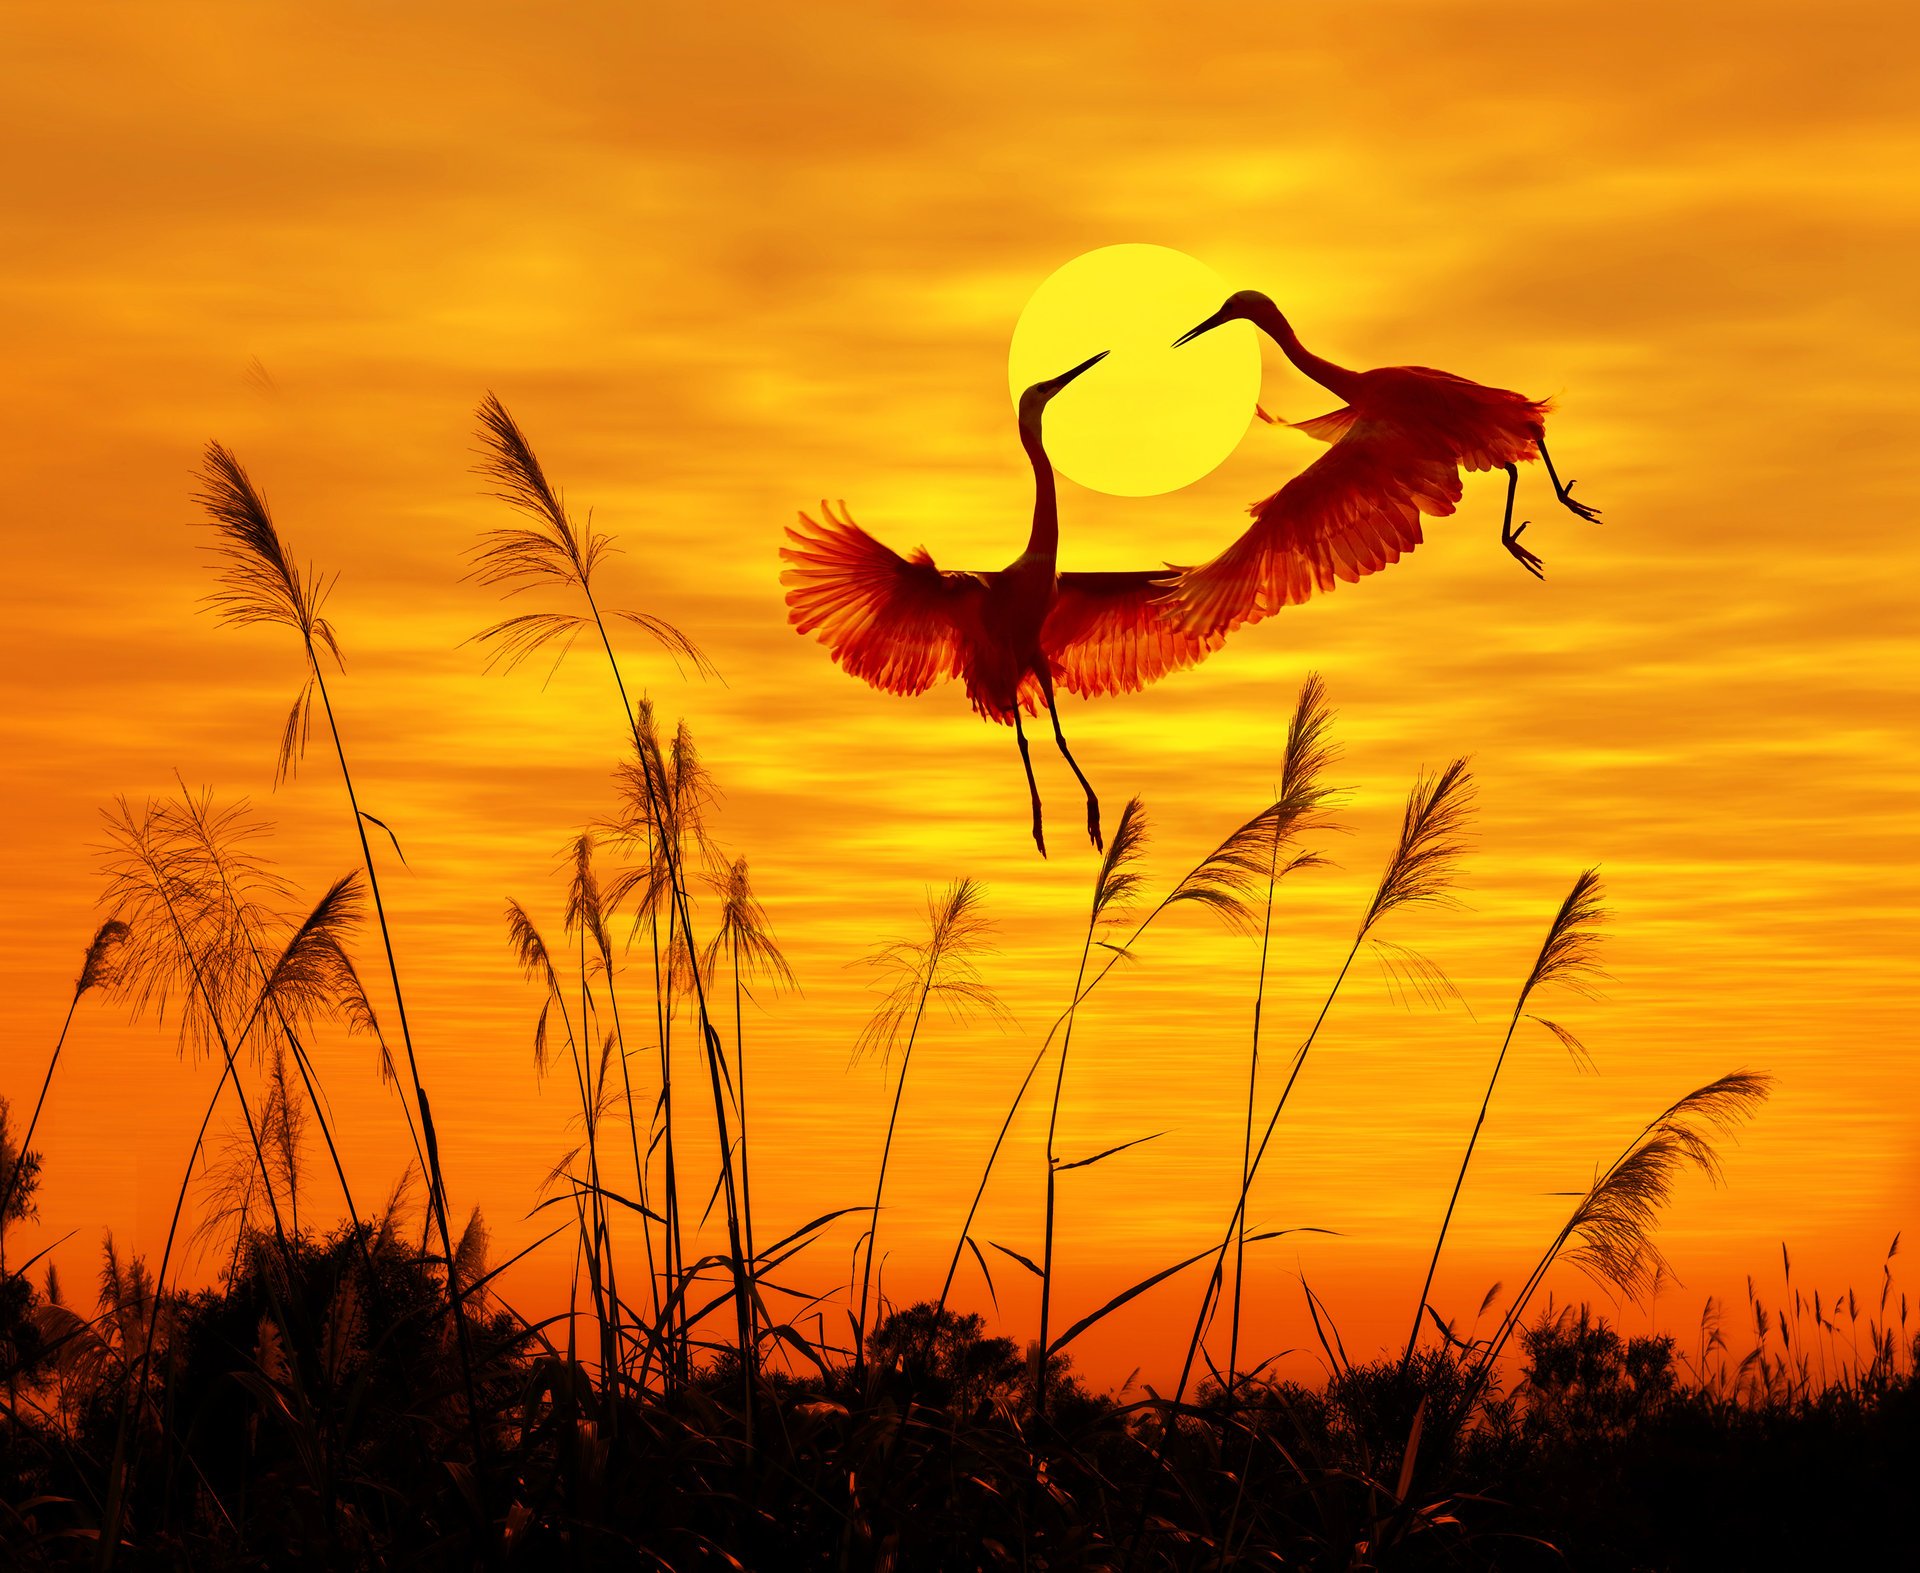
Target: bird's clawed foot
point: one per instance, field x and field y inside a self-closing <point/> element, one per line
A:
<point x="1584" y="510"/>
<point x="1039" y="836"/>
<point x="1093" y="823"/>
<point x="1526" y="559"/>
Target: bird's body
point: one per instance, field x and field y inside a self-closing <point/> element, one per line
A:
<point x="1011" y="635"/>
<point x="1396" y="450"/>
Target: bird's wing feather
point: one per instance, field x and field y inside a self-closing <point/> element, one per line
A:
<point x="1350" y="513"/>
<point x="1110" y="633"/>
<point x="895" y="622"/>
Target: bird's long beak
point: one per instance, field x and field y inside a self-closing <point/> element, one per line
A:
<point x="1212" y="322"/>
<point x="1088" y="364"/>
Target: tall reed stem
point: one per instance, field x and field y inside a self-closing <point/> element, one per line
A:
<point x="1459" y="1180"/>
<point x="1253" y="1080"/>
<point x="1053" y="1171"/>
<point x="880" y="1182"/>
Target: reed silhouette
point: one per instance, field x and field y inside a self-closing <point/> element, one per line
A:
<point x="359" y="1394"/>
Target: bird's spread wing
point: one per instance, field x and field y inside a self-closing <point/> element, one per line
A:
<point x="891" y="621"/>
<point x="1351" y="512"/>
<point x="1110" y="633"/>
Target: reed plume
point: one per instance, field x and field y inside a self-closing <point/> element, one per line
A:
<point x="1611" y="1226"/>
<point x="547" y="550"/>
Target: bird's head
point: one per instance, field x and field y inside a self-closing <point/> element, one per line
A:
<point x="1247" y="305"/>
<point x="1036" y="398"/>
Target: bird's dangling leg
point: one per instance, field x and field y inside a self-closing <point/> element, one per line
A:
<point x="1033" y="791"/>
<point x="1510" y="537"/>
<point x="1565" y="492"/>
<point x="1093" y="802"/>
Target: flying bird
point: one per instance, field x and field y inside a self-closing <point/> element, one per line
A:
<point x="1012" y="635"/>
<point x="1398" y="445"/>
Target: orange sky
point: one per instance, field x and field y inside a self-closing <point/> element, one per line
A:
<point x="722" y="260"/>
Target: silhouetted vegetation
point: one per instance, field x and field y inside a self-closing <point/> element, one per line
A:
<point x="359" y="1395"/>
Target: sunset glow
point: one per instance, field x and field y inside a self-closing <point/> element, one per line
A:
<point x="722" y="261"/>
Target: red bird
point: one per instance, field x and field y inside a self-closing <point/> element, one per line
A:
<point x="903" y="625"/>
<point x="1398" y="446"/>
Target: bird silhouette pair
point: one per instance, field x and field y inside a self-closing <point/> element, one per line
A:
<point x="1397" y="446"/>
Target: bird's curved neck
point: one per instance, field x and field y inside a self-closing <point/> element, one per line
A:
<point x="1045" y="539"/>
<point x="1335" y="379"/>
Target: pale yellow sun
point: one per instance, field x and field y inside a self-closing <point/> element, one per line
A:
<point x="1149" y="418"/>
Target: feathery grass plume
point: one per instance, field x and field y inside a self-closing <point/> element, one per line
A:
<point x="470" y="1255"/>
<point x="233" y="1195"/>
<point x="944" y="966"/>
<point x="1432" y="840"/>
<point x="1229" y="880"/>
<point x="312" y="978"/>
<point x="536" y="964"/>
<point x="665" y="793"/>
<point x="1118" y="883"/>
<point x="1570" y="955"/>
<point x="192" y="905"/>
<point x="259" y="582"/>
<point x="745" y="932"/>
<point x="548" y="549"/>
<point x="324" y="966"/>
<point x="1569" y="958"/>
<point x="586" y="912"/>
<point x="1611" y="1226"/>
<point x="97" y="970"/>
<point x="401" y="1205"/>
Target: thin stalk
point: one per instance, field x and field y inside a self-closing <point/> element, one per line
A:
<point x="1240" y="1207"/>
<point x="674" y="1244"/>
<point x="121" y="1465"/>
<point x="633" y="1132"/>
<point x="677" y="882"/>
<point x="1459" y="1180"/>
<point x="13" y="1176"/>
<point x="1053" y="1162"/>
<point x="1246" y="1139"/>
<point x="436" y="1176"/>
<point x="436" y="1181"/>
<point x="1020" y="1093"/>
<point x="746" y="1169"/>
<point x="879" y="1184"/>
